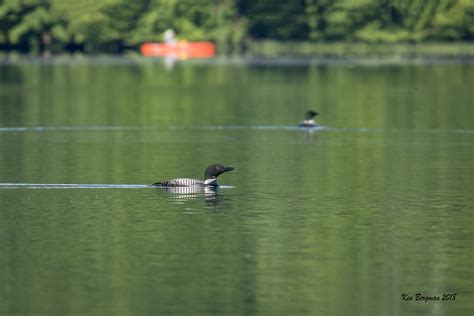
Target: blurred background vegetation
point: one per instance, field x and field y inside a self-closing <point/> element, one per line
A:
<point x="115" y="26"/>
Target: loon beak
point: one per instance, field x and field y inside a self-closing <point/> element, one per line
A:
<point x="229" y="169"/>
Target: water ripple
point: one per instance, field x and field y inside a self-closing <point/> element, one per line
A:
<point x="71" y="186"/>
<point x="224" y="127"/>
<point x="66" y="128"/>
<point x="82" y="186"/>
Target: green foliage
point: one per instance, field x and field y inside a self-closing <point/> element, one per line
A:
<point x="88" y="24"/>
<point x="457" y="22"/>
<point x="143" y="20"/>
<point x="280" y="20"/>
<point x="112" y="25"/>
<point x="30" y="24"/>
<point x="360" y="20"/>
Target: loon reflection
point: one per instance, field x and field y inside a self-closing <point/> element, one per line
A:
<point x="191" y="190"/>
<point x="190" y="193"/>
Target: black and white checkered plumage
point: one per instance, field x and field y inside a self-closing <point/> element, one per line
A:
<point x="210" y="178"/>
<point x="180" y="182"/>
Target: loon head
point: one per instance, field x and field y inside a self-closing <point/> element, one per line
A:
<point x="213" y="171"/>
<point x="310" y="115"/>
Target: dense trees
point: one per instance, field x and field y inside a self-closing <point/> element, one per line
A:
<point x="30" y="25"/>
<point x="111" y="25"/>
<point x="368" y="20"/>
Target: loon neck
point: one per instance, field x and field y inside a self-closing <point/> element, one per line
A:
<point x="211" y="182"/>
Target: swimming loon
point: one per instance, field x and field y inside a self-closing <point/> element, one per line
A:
<point x="210" y="178"/>
<point x="308" y="119"/>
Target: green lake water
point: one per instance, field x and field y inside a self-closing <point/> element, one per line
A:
<point x="342" y="220"/>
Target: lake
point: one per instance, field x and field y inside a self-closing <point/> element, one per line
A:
<point x="340" y="220"/>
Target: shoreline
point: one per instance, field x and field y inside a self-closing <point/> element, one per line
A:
<point x="280" y="53"/>
<point x="234" y="60"/>
<point x="345" y="49"/>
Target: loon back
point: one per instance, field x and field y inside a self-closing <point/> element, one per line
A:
<point x="180" y="182"/>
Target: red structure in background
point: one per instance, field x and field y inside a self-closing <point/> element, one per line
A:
<point x="180" y="50"/>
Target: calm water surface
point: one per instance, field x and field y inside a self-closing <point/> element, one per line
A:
<point x="342" y="220"/>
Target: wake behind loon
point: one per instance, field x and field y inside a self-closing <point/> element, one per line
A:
<point x="309" y="119"/>
<point x="210" y="178"/>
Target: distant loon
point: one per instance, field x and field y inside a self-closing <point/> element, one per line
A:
<point x="308" y="119"/>
<point x="210" y="178"/>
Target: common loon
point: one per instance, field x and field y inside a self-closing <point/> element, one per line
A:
<point x="308" y="119"/>
<point x="210" y="178"/>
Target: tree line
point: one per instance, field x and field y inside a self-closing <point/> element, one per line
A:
<point x="116" y="25"/>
